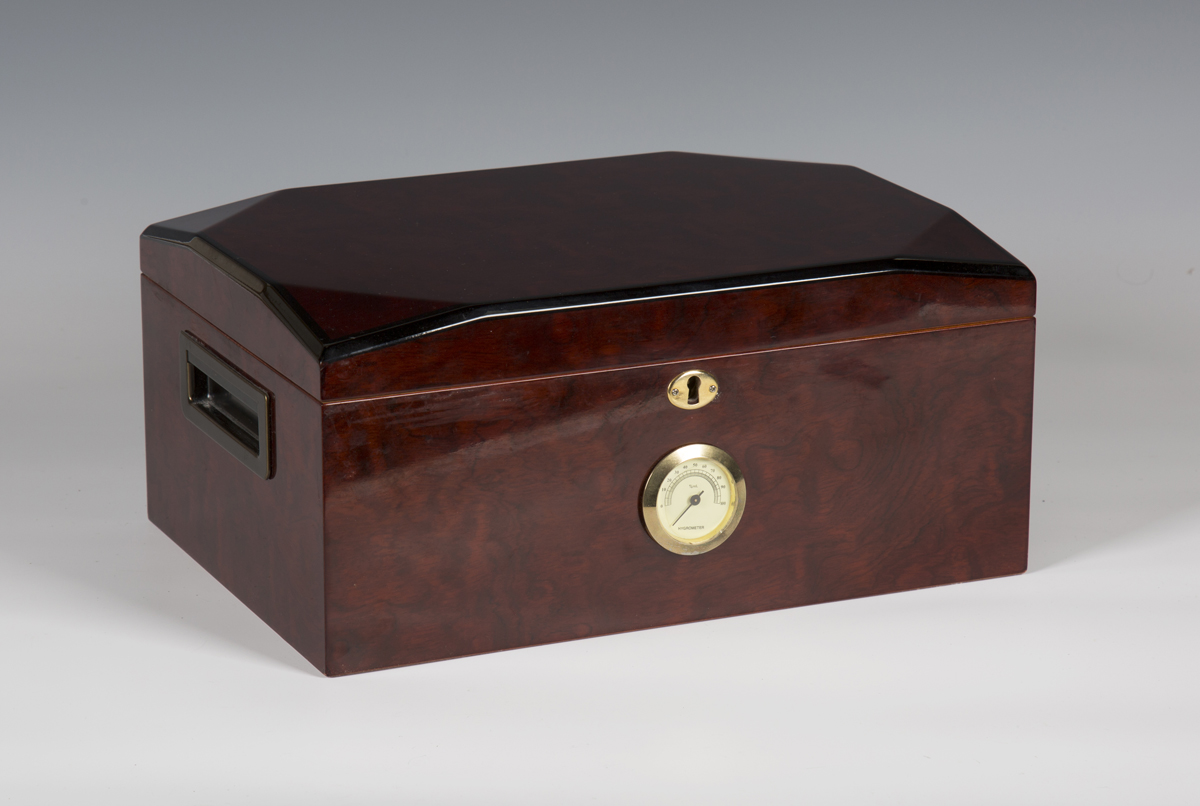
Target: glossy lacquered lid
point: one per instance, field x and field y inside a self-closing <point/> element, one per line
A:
<point x="366" y="264"/>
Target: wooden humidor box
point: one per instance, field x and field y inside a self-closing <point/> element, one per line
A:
<point x="414" y="419"/>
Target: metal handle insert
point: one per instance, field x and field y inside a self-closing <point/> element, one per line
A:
<point x="231" y="409"/>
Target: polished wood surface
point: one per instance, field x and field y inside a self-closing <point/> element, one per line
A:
<point x="449" y="522"/>
<point x="262" y="539"/>
<point x="448" y="486"/>
<point x="605" y="337"/>
<point x="363" y="256"/>
<point x="472" y="520"/>
<point x="687" y="327"/>
<point x="234" y="310"/>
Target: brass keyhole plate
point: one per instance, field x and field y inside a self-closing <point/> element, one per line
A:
<point x="693" y="389"/>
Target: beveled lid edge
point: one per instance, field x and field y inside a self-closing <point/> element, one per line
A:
<point x="331" y="350"/>
<point x="183" y="228"/>
<point x="416" y="328"/>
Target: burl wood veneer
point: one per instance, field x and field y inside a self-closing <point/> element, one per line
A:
<point x="467" y="378"/>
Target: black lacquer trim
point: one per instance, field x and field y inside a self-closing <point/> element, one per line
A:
<point x="329" y="351"/>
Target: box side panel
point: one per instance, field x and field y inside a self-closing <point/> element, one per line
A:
<point x="262" y="539"/>
<point x="231" y="308"/>
<point x="668" y="329"/>
<point x="472" y="520"/>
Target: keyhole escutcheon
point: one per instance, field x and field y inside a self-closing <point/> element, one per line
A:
<point x="693" y="389"/>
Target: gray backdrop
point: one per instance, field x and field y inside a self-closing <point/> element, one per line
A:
<point x="1067" y="131"/>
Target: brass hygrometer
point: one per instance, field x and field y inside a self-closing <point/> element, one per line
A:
<point x="693" y="499"/>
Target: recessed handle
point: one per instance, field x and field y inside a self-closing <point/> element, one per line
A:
<point x="231" y="409"/>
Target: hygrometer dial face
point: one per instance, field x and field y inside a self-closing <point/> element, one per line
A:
<point x="693" y="499"/>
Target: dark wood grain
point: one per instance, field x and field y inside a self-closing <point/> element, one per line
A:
<point x="261" y="539"/>
<point x="473" y="520"/>
<point x="687" y="327"/>
<point x="605" y="337"/>
<point x="231" y="308"/>
<point x="367" y="255"/>
<point x="468" y="398"/>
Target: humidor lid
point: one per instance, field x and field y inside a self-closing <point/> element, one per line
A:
<point x="365" y="264"/>
<point x="401" y="284"/>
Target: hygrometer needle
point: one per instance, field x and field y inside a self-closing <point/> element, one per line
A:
<point x="695" y="499"/>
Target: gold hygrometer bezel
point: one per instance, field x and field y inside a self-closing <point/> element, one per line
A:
<point x="702" y="456"/>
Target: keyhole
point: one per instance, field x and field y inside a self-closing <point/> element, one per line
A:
<point x="692" y="390"/>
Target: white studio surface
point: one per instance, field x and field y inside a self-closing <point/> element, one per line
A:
<point x="1064" y="131"/>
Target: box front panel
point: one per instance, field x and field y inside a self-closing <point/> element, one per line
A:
<point x="505" y="515"/>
